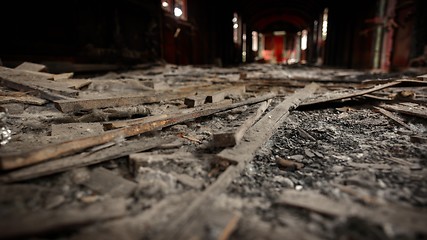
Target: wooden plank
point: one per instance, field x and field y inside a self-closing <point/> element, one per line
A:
<point x="63" y="76"/>
<point x="83" y="159"/>
<point x="230" y="139"/>
<point x="422" y="77"/>
<point x="220" y="95"/>
<point x="393" y="117"/>
<point x="73" y="146"/>
<point x="329" y="97"/>
<point x="33" y="67"/>
<point x="28" y="82"/>
<point x="44" y="222"/>
<point x="387" y="215"/>
<point x="104" y="181"/>
<point x="195" y="101"/>
<point x="74" y="105"/>
<point x="68" y="131"/>
<point x="241" y="154"/>
<point x="412" y="109"/>
<point x="21" y="98"/>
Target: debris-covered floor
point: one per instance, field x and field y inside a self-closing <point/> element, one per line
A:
<point x="184" y="152"/>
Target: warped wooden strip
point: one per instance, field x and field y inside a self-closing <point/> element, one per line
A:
<point x="29" y="66"/>
<point x="83" y="159"/>
<point x="416" y="110"/>
<point x="69" y="147"/>
<point x="241" y="154"/>
<point x="23" y="81"/>
<point x="393" y="117"/>
<point x="339" y="96"/>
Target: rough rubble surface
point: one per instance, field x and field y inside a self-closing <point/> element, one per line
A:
<point x="336" y="170"/>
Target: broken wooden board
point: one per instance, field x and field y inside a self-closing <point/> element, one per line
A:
<point x="55" y="221"/>
<point x="240" y="154"/>
<point x="83" y="159"/>
<point x="20" y="97"/>
<point x="394" y="118"/>
<point x="220" y="95"/>
<point x="407" y="108"/>
<point x="65" y="148"/>
<point x="30" y="83"/>
<point x="33" y="67"/>
<point x="230" y="139"/>
<point x="335" y="96"/>
<point x="422" y="77"/>
<point x="105" y="182"/>
<point x="386" y="215"/>
<point x="69" y="131"/>
<point x="195" y="101"/>
<point x="126" y="123"/>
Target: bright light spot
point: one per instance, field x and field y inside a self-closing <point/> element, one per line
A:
<point x="165" y="4"/>
<point x="244" y="36"/>
<point x="279" y="33"/>
<point x="325" y="24"/>
<point x="234" y="20"/>
<point x="254" y="41"/>
<point x="304" y="40"/>
<point x="177" y="12"/>
<point x="235" y="26"/>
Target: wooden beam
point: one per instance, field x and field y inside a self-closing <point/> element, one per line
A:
<point x="73" y="146"/>
<point x="30" y="83"/>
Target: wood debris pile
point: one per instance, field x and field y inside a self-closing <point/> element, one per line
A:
<point x="127" y="153"/>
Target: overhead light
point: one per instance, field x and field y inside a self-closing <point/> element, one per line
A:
<point x="235" y="26"/>
<point x="165" y="4"/>
<point x="177" y="12"/>
<point x="234" y="19"/>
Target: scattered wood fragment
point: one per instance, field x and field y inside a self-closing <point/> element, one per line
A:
<point x="422" y="77"/>
<point x="83" y="159"/>
<point x="382" y="215"/>
<point x="126" y="123"/>
<point x="45" y="222"/>
<point x="393" y="117"/>
<point x="62" y="76"/>
<point x="30" y="83"/>
<point x="409" y="109"/>
<point x="107" y="114"/>
<point x="33" y="67"/>
<point x="241" y="154"/>
<point x="289" y="165"/>
<point x="104" y="181"/>
<point x="73" y="146"/>
<point x="230" y="139"/>
<point x="195" y="101"/>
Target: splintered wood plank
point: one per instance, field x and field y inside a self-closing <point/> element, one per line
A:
<point x="65" y="148"/>
<point x="387" y="215"/>
<point x="73" y="105"/>
<point x="409" y="109"/>
<point x="28" y="82"/>
<point x="104" y="181"/>
<point x="62" y="76"/>
<point x="75" y="83"/>
<point x="241" y="154"/>
<point x="21" y="98"/>
<point x="230" y="139"/>
<point x="56" y="221"/>
<point x="220" y="95"/>
<point x="329" y="97"/>
<point x="422" y="77"/>
<point x="83" y="159"/>
<point x="33" y="67"/>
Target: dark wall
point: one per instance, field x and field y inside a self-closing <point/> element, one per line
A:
<point x="81" y="31"/>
